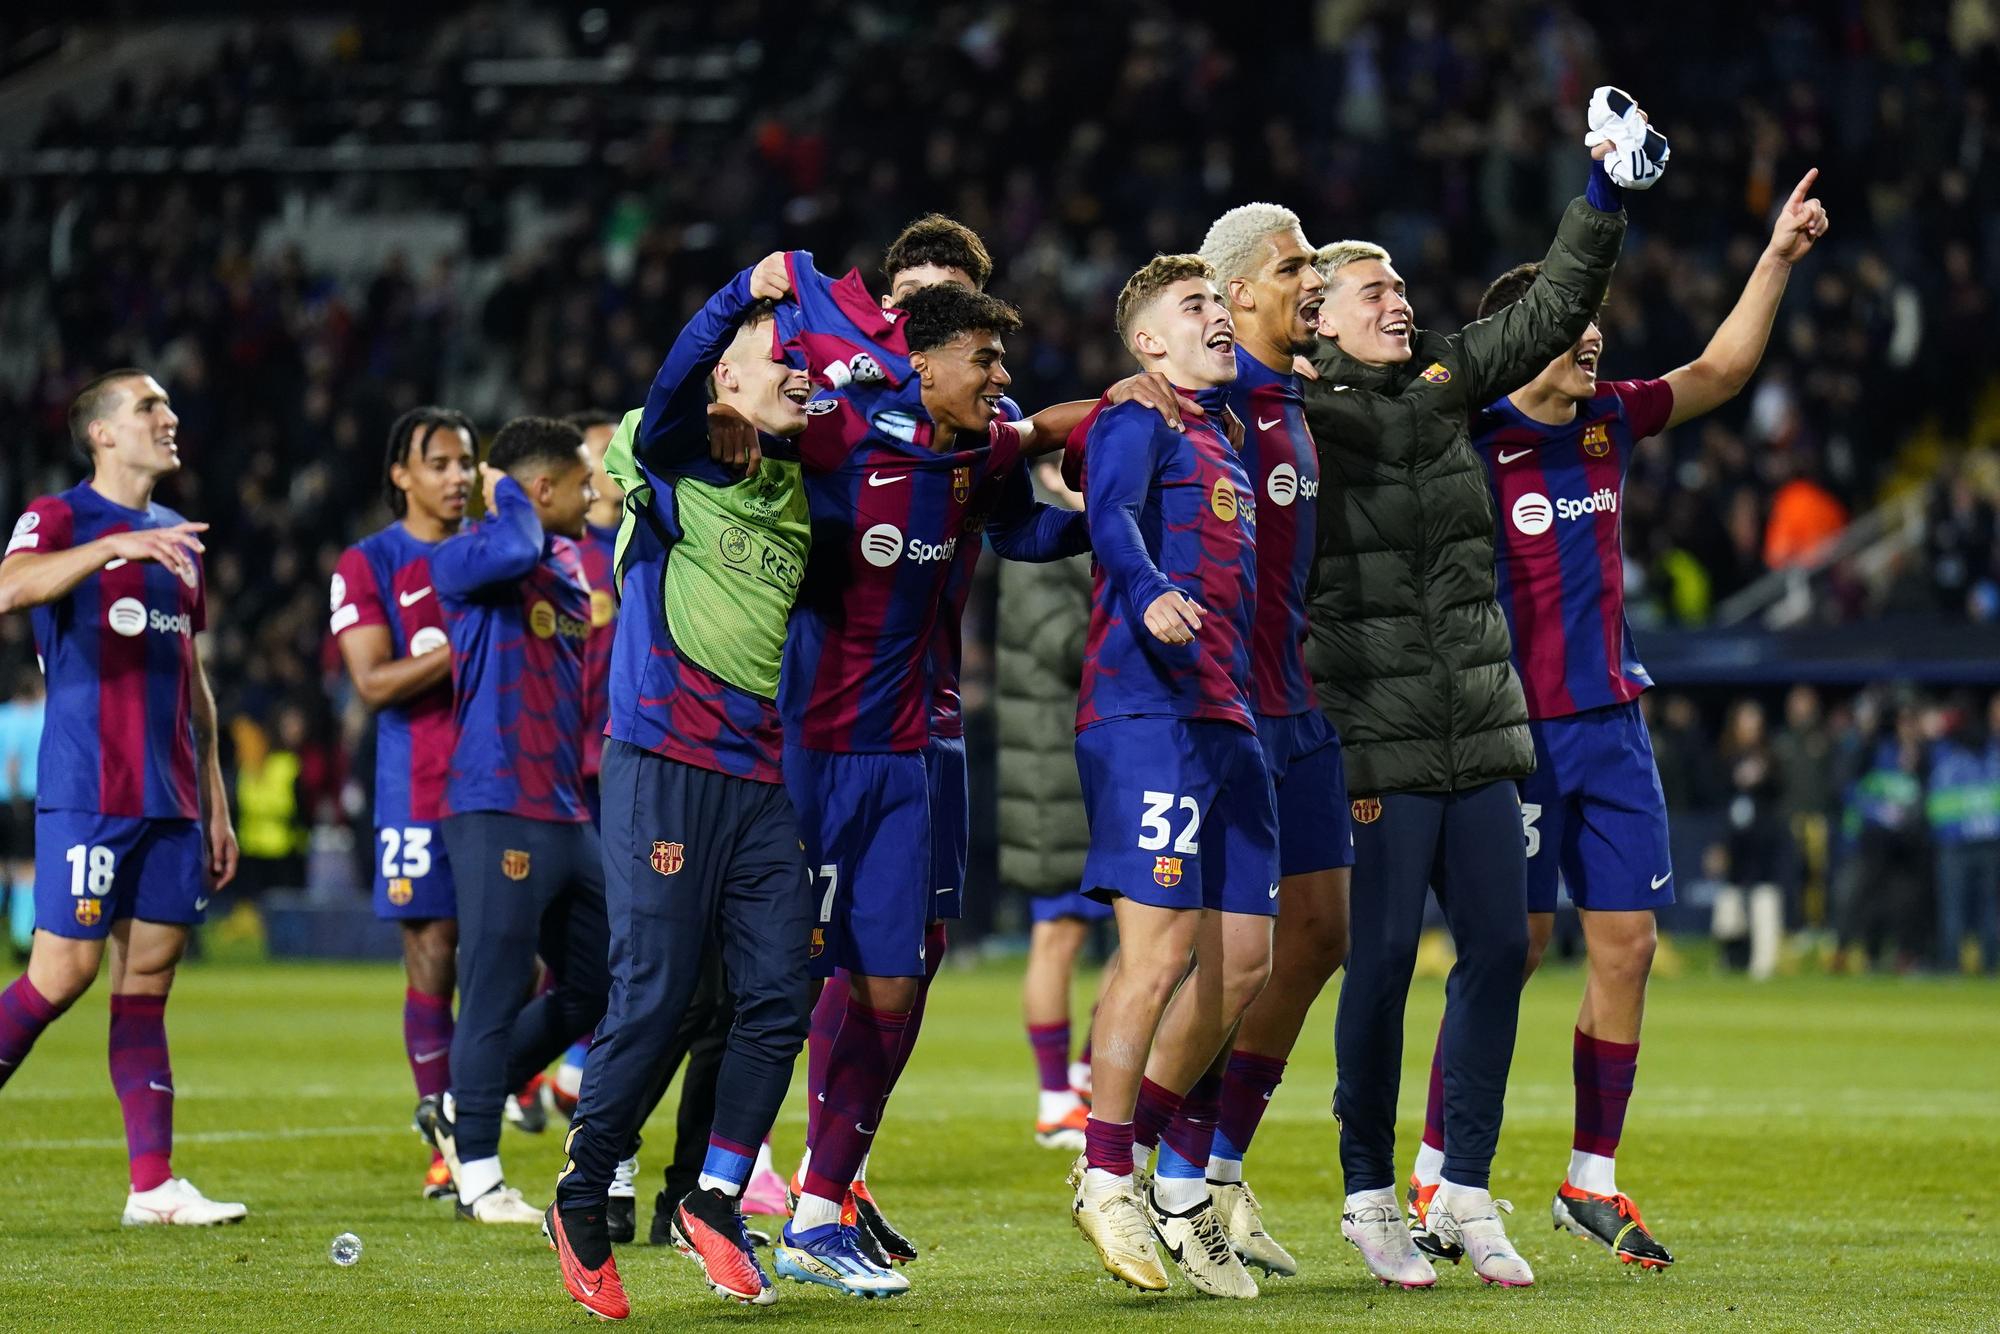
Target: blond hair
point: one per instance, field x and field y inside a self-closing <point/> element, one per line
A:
<point x="1331" y="259"/>
<point x="1156" y="276"/>
<point x="1235" y="241"/>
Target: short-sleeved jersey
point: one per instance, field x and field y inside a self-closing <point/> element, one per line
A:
<point x="889" y="516"/>
<point x="517" y="609"/>
<point x="385" y="579"/>
<point x="1167" y="510"/>
<point x="596" y="549"/>
<point x="118" y="655"/>
<point x="1283" y="467"/>
<point x="1558" y="557"/>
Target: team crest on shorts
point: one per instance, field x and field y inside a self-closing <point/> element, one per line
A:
<point x="89" y="912"/>
<point x="961" y="484"/>
<point x="1437" y="374"/>
<point x="818" y="943"/>
<point x="1367" y="810"/>
<point x="401" y="891"/>
<point x="667" y="858"/>
<point x="1597" y="440"/>
<point x="514" y="864"/>
<point x="1167" y="871"/>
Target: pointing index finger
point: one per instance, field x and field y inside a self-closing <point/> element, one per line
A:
<point x="1805" y="184"/>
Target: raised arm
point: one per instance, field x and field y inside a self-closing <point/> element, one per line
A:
<point x="502" y="549"/>
<point x="1732" y="354"/>
<point x="1508" y="348"/>
<point x="673" y="426"/>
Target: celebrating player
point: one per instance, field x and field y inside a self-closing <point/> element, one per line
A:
<point x="524" y="854"/>
<point x="705" y="851"/>
<point x="390" y="628"/>
<point x="1266" y="270"/>
<point x="1410" y="654"/>
<point x="1183" y="830"/>
<point x="1556" y="454"/>
<point x="132" y="829"/>
<point x="891" y="505"/>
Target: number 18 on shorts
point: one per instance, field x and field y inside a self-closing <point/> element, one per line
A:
<point x="1181" y="815"/>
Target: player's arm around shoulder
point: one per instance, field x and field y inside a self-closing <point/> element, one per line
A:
<point x="41" y="565"/>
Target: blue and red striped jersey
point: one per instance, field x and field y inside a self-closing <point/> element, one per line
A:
<point x="117" y="653"/>
<point x="596" y="549"/>
<point x="1283" y="467"/>
<point x="517" y="609"/>
<point x="889" y="517"/>
<point x="385" y="579"/>
<point x="1167" y="510"/>
<point x="1558" y="559"/>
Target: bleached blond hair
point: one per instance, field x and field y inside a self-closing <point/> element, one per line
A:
<point x="1331" y="259"/>
<point x="1234" y="246"/>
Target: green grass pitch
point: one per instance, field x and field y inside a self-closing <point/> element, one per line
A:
<point x="1817" y="1151"/>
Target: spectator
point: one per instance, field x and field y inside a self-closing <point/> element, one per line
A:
<point x="20" y="754"/>
<point x="1888" y="899"/>
<point x="1804" y="517"/>
<point x="271" y="828"/>
<point x="1963" y="806"/>
<point x="1750" y="906"/>
<point x="1803" y="752"/>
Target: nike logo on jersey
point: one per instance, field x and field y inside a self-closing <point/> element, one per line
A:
<point x="1263" y="425"/>
<point x="412" y="599"/>
<point x="877" y="479"/>
<point x="1505" y="457"/>
<point x="1659" y="880"/>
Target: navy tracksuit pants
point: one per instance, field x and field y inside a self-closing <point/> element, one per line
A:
<point x="697" y="860"/>
<point x="1469" y="848"/>
<point x="525" y="887"/>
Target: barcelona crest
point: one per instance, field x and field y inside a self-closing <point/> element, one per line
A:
<point x="514" y="864"/>
<point x="89" y="912"/>
<point x="961" y="484"/>
<point x="1367" y="810"/>
<point x="818" y="943"/>
<point x="1167" y="871"/>
<point x="667" y="858"/>
<point x="400" y="891"/>
<point x="1437" y="374"/>
<point x="1597" y="440"/>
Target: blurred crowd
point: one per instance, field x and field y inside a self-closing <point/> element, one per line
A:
<point x="600" y="174"/>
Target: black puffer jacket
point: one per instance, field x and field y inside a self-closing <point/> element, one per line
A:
<point x="1407" y="645"/>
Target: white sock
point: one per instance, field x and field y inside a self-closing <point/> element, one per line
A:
<point x="723" y="1184"/>
<point x="569" y="1079"/>
<point x="1179" y="1194"/>
<point x="1222" y="1171"/>
<point x="478" y="1176"/>
<point x="861" y="1172"/>
<point x="1593" y="1172"/>
<point x="1054" y="1105"/>
<point x="1141" y="1155"/>
<point x="1098" y="1183"/>
<point x="1369" y="1199"/>
<point x="805" y="1161"/>
<point x="813" y="1212"/>
<point x="1464" y="1202"/>
<point x="1430" y="1165"/>
<point x="763" y="1163"/>
<point x="1079" y="1075"/>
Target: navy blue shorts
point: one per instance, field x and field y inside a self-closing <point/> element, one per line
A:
<point x="1595" y="816"/>
<point x="1309" y="775"/>
<point x="951" y="825"/>
<point x="91" y="870"/>
<point x="866" y="824"/>
<point x="413" y="873"/>
<point x="1076" y="904"/>
<point x="1181" y="814"/>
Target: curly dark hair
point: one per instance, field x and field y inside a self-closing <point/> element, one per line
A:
<point x="935" y="315"/>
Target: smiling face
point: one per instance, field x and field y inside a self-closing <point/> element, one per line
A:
<point x="964" y="380"/>
<point x="1187" y="333"/>
<point x="1366" y="312"/>
<point x="134" y="431"/>
<point x="1277" y="305"/>
<point x="752" y="379"/>
<point x="1573" y="375"/>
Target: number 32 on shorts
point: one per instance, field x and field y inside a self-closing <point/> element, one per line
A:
<point x="1155" y="827"/>
<point x="1531" y="811"/>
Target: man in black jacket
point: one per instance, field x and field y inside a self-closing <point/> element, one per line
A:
<point x="1410" y="653"/>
